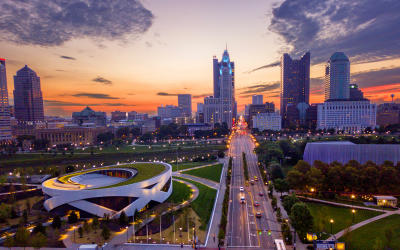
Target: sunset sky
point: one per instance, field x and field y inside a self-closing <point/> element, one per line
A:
<point x="136" y="55"/>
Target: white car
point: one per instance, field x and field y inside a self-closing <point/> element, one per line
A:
<point x="242" y="200"/>
<point x="241" y="189"/>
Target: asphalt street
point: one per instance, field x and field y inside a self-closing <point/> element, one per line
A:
<point x="243" y="225"/>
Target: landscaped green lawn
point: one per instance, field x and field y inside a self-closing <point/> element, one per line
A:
<point x="342" y="217"/>
<point x="212" y="172"/>
<point x="366" y="237"/>
<point x="204" y="203"/>
<point x="180" y="192"/>
<point x="187" y="165"/>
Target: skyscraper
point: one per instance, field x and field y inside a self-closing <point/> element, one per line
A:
<point x="185" y="102"/>
<point x="222" y="106"/>
<point x="257" y="99"/>
<point x="28" y="100"/>
<point x="295" y="88"/>
<point x="5" y="128"/>
<point x="337" y="77"/>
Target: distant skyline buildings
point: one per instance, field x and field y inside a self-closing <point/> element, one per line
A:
<point x="337" y="77"/>
<point x="5" y="127"/>
<point x="28" y="99"/>
<point x="295" y="88"/>
<point x="185" y="102"/>
<point x="257" y="99"/>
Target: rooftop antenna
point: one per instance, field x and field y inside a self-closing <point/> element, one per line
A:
<point x="392" y="95"/>
<point x="226" y="46"/>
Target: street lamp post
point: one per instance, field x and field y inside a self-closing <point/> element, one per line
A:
<point x="331" y="221"/>
<point x="354" y="212"/>
<point x="74" y="233"/>
<point x="127" y="235"/>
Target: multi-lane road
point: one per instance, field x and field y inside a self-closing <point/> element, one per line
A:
<point x="243" y="225"/>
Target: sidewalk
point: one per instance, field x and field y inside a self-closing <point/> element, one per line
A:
<point x="203" y="181"/>
<point x="212" y="239"/>
<point x="341" y="204"/>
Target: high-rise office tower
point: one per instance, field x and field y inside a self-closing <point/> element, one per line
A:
<point x="28" y="100"/>
<point x="185" y="102"/>
<point x="257" y="99"/>
<point x="355" y="93"/>
<point x="5" y="128"/>
<point x="337" y="77"/>
<point x="295" y="88"/>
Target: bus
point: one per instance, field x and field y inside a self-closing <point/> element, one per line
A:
<point x="279" y="244"/>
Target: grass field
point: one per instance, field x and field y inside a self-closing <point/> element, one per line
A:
<point x="212" y="172"/>
<point x="187" y="165"/>
<point x="180" y="192"/>
<point x="341" y="216"/>
<point x="204" y="203"/>
<point x="369" y="236"/>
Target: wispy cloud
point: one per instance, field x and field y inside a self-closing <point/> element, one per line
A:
<point x="260" y="88"/>
<point x="274" y="64"/>
<point x="53" y="22"/>
<point x="95" y="96"/>
<point x="102" y="80"/>
<point x="166" y="94"/>
<point x="55" y="103"/>
<point x="68" y="57"/>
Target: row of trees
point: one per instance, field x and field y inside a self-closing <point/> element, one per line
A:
<point x="353" y="177"/>
<point x="245" y="168"/>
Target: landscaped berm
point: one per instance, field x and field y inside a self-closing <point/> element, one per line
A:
<point x="109" y="190"/>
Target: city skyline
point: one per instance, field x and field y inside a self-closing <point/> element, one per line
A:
<point x="115" y="71"/>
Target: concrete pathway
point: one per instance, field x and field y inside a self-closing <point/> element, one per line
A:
<point x="212" y="236"/>
<point x="209" y="183"/>
<point x="202" y="166"/>
<point x="341" y="204"/>
<point x="362" y="223"/>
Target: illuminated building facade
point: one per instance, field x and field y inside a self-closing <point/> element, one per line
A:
<point x="5" y="127"/>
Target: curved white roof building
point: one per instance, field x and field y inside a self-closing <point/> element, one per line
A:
<point x="109" y="190"/>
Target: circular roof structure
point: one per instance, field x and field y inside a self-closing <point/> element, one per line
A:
<point x="111" y="189"/>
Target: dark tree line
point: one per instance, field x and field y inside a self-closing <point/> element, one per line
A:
<point x="352" y="177"/>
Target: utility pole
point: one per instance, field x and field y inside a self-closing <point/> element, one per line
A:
<point x="160" y="229"/>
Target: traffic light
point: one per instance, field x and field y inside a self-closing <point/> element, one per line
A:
<point x="259" y="232"/>
<point x="269" y="232"/>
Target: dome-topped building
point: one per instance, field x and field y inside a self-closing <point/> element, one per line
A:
<point x="337" y="77"/>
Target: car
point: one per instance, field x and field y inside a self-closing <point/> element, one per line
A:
<point x="241" y="189"/>
<point x="260" y="194"/>
<point x="252" y="182"/>
<point x="255" y="178"/>
<point x="258" y="214"/>
<point x="256" y="204"/>
<point x="242" y="200"/>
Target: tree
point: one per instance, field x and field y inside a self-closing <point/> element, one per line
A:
<point x="281" y="186"/>
<point x="105" y="233"/>
<point x="25" y="216"/>
<point x="72" y="218"/>
<point x="69" y="169"/>
<point x="39" y="228"/>
<point x="5" y="212"/>
<point x="123" y="132"/>
<point x="9" y="242"/>
<point x="123" y="220"/>
<point x="276" y="171"/>
<point x="301" y="218"/>
<point x="274" y="202"/>
<point x="39" y="240"/>
<point x="295" y="179"/>
<point x="22" y="237"/>
<point x="86" y="227"/>
<point x="80" y="232"/>
<point x="95" y="223"/>
<point x="56" y="223"/>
